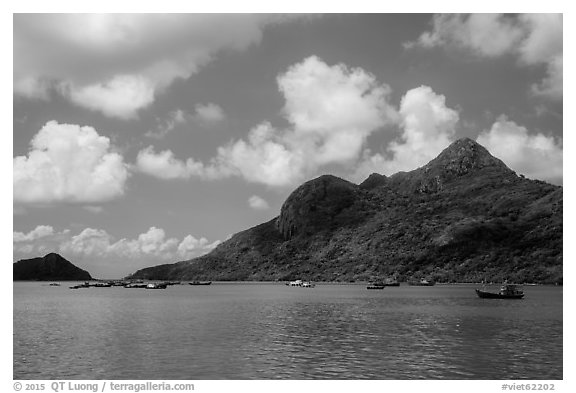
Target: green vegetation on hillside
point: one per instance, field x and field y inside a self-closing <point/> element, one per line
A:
<point x="463" y="217"/>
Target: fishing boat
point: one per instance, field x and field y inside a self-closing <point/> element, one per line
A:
<point x="200" y="283"/>
<point x="376" y="285"/>
<point x="54" y="284"/>
<point x="507" y="291"/>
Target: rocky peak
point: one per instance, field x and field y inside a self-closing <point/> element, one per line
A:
<point x="315" y="204"/>
<point x="463" y="156"/>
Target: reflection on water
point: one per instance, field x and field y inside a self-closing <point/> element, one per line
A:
<point x="270" y="331"/>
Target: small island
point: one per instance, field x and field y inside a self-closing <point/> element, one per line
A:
<point x="51" y="267"/>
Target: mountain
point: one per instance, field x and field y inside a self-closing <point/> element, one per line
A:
<point x="51" y="267"/>
<point x="463" y="217"/>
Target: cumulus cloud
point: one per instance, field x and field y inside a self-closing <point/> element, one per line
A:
<point x="153" y="243"/>
<point x="39" y="232"/>
<point x="266" y="157"/>
<point x="191" y="246"/>
<point x="536" y="39"/>
<point x="534" y="155"/>
<point x="428" y="126"/>
<point x="258" y="203"/>
<point x="68" y="163"/>
<point x="331" y="109"/>
<point x="38" y="241"/>
<point x="121" y="97"/>
<point x="164" y="165"/>
<point x="117" y="63"/>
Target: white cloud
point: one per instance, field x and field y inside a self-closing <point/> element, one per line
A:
<point x="536" y="156"/>
<point x="543" y="39"/>
<point x="535" y="38"/>
<point x="68" y="163"/>
<point x="117" y="63"/>
<point x="39" y="232"/>
<point x="485" y="34"/>
<point x="190" y="246"/>
<point x="265" y="158"/>
<point x="165" y="166"/>
<point x="209" y="113"/>
<point x="332" y="111"/>
<point x="153" y="243"/>
<point x="543" y="45"/>
<point x="122" y="96"/>
<point x="258" y="203"/>
<point x="428" y="126"/>
<point x="90" y="241"/>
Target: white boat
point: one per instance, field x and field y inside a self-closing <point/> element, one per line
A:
<point x="156" y="286"/>
<point x="300" y="283"/>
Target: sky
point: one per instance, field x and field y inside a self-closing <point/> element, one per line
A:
<point x="143" y="139"/>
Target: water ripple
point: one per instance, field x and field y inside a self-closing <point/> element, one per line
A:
<point x="276" y="332"/>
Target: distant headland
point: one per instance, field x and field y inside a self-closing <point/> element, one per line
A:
<point x="51" y="267"/>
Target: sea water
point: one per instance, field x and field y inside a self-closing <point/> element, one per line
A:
<point x="272" y="331"/>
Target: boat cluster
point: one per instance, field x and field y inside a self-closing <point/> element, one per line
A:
<point x="126" y="284"/>
<point x="507" y="290"/>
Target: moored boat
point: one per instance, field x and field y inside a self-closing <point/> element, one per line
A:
<point x="376" y="285"/>
<point x="200" y="283"/>
<point x="135" y="285"/>
<point x="507" y="291"/>
<point x="156" y="286"/>
<point x="102" y="285"/>
<point x="308" y="284"/>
